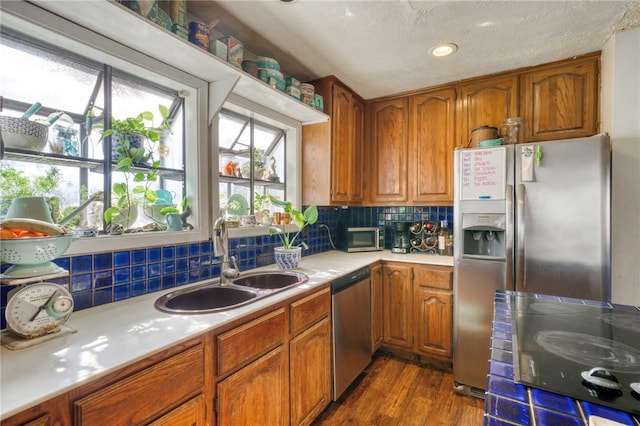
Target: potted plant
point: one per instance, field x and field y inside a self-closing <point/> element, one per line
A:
<point x="261" y="203"/>
<point x="288" y="256"/>
<point x="133" y="140"/>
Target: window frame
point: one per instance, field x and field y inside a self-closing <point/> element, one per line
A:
<point x="52" y="29"/>
<point x="293" y="156"/>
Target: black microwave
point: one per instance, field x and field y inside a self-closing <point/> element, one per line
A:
<point x="370" y="238"/>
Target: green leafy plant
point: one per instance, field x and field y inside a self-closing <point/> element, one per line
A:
<point x="300" y="219"/>
<point x="261" y="202"/>
<point x="137" y="138"/>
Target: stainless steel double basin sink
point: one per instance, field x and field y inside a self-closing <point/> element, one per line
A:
<point x="209" y="298"/>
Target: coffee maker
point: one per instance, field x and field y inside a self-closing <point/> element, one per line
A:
<point x="400" y="243"/>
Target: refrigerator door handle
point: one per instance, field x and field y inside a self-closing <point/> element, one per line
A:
<point x="520" y="235"/>
<point x="509" y="237"/>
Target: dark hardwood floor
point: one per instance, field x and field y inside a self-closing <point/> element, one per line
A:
<point x="394" y="391"/>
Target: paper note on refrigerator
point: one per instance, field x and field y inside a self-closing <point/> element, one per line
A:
<point x="483" y="174"/>
<point x="526" y="161"/>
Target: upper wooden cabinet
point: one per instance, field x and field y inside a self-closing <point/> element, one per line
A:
<point x="486" y="102"/>
<point x="432" y="127"/>
<point x="560" y="101"/>
<point x="332" y="152"/>
<point x="389" y="151"/>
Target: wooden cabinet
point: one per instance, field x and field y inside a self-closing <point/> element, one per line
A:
<point x="388" y="177"/>
<point x="412" y="149"/>
<point x="376" y="306"/>
<point x="310" y="353"/>
<point x="418" y="309"/>
<point x="332" y="158"/>
<point x="256" y="394"/>
<point x="149" y="394"/>
<point x="55" y="412"/>
<point x="276" y="369"/>
<point x="257" y="391"/>
<point x="486" y="102"/>
<point x="432" y="141"/>
<point x="190" y="413"/>
<point x="561" y="101"/>
<point x="433" y="310"/>
<point x="397" y="313"/>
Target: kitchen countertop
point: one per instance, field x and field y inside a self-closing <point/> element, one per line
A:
<point x="510" y="403"/>
<point x="114" y="335"/>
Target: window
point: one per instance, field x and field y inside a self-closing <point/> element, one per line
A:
<point x="252" y="159"/>
<point x="76" y="97"/>
<point x="75" y="92"/>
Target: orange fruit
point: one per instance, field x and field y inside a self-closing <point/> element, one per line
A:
<point x="6" y="233"/>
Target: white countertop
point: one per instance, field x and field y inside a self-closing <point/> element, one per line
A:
<point x="117" y="334"/>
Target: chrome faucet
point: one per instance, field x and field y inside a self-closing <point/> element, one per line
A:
<point x="228" y="273"/>
<point x="221" y="248"/>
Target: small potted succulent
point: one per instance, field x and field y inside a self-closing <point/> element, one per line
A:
<point x="289" y="254"/>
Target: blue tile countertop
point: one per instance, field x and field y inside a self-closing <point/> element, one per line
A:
<point x="510" y="403"/>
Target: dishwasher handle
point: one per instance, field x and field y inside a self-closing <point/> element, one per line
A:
<point x="349" y="279"/>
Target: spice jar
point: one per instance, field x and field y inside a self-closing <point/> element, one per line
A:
<point x="510" y="129"/>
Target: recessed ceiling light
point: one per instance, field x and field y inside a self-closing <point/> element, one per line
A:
<point x="443" y="49"/>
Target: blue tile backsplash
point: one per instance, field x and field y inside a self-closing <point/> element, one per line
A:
<point x="109" y="277"/>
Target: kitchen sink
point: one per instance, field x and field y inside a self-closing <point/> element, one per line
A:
<point x="204" y="299"/>
<point x="210" y="298"/>
<point x="271" y="280"/>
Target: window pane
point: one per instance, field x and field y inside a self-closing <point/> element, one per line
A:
<point x="29" y="74"/>
<point x="60" y="81"/>
<point x="243" y="187"/>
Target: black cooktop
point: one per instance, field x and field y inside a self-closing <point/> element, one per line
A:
<point x="579" y="349"/>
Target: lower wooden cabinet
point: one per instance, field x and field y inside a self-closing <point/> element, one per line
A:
<point x="310" y="372"/>
<point x="280" y="369"/>
<point x="397" y="326"/>
<point x="376" y="307"/>
<point x="191" y="413"/>
<point x="147" y="395"/>
<point x="418" y="309"/>
<point x="257" y="394"/>
<point x="54" y="412"/>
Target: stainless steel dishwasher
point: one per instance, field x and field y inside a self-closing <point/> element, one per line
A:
<point x="351" y="314"/>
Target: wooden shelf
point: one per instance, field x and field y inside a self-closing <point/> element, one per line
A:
<point x="125" y="26"/>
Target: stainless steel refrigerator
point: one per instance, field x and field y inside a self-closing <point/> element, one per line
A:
<point x="532" y="217"/>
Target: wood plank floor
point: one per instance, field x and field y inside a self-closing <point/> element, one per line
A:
<point x="394" y="391"/>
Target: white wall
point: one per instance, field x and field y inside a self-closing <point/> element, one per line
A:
<point x="620" y="103"/>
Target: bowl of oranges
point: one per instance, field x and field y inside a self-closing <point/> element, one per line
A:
<point x="30" y="245"/>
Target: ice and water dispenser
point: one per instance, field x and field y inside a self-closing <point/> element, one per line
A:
<point x="484" y="235"/>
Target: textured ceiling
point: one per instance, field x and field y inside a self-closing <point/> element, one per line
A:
<point x="380" y="47"/>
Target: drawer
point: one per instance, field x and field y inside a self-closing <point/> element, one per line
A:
<point x="434" y="276"/>
<point x="309" y="310"/>
<point x="143" y="396"/>
<point x="247" y="342"/>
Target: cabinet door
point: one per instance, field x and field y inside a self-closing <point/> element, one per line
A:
<point x="310" y="354"/>
<point x="376" y="307"/>
<point x="432" y="124"/>
<point x="357" y="156"/>
<point x="561" y="102"/>
<point x="191" y="413"/>
<point x="56" y="411"/>
<point x="397" y="312"/>
<point x="143" y="396"/>
<point x="258" y="394"/>
<point x="486" y="102"/>
<point x="341" y="156"/>
<point x="433" y="314"/>
<point x="390" y="133"/>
